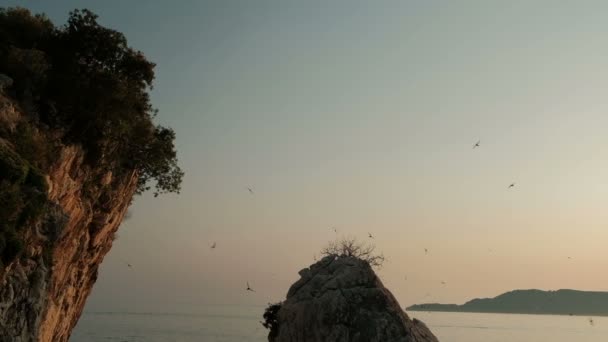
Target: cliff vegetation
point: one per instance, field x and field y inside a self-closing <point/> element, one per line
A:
<point x="78" y="84"/>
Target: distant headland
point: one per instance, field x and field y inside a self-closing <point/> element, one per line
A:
<point x="537" y="302"/>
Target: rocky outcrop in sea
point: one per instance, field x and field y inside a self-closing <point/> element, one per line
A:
<point x="339" y="299"/>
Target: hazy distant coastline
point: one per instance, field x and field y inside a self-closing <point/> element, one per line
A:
<point x="535" y="302"/>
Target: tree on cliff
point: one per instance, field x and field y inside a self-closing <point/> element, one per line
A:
<point x="350" y="247"/>
<point x="271" y="319"/>
<point x="83" y="81"/>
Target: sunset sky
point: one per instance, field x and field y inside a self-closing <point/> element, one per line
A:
<point x="362" y="115"/>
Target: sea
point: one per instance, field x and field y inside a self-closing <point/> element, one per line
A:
<point x="234" y="323"/>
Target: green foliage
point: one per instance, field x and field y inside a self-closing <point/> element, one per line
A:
<point x="84" y="80"/>
<point x="271" y="319"/>
<point x="28" y="68"/>
<point x="23" y="198"/>
<point x="39" y="150"/>
<point x="163" y="169"/>
<point x="81" y="83"/>
<point x="23" y="35"/>
<point x="19" y="204"/>
<point x="21" y="28"/>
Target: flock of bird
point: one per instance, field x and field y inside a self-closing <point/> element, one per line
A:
<point x="426" y="251"/>
<point x="476" y="145"/>
<point x="369" y="235"/>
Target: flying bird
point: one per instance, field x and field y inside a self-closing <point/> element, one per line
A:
<point x="370" y="235"/>
<point x="249" y="288"/>
<point x="476" y="144"/>
<point x="335" y="230"/>
<point x="213" y="245"/>
<point x="591" y="321"/>
<point x="128" y="265"/>
<point x="443" y="283"/>
<point x="511" y="185"/>
<point x="426" y="251"/>
<point x="250" y="190"/>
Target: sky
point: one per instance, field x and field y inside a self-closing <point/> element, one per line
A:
<point x="362" y="116"/>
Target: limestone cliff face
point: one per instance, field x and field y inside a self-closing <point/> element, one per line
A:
<point x="341" y="299"/>
<point x="43" y="291"/>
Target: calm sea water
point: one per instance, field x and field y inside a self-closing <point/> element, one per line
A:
<point x="231" y="324"/>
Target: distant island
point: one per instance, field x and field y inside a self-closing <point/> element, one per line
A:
<point x="536" y="302"/>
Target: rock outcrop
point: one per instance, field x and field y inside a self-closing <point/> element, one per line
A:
<point x="341" y="299"/>
<point x="43" y="290"/>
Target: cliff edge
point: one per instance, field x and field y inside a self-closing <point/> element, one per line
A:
<point x="341" y="299"/>
<point x="44" y="285"/>
<point x="77" y="140"/>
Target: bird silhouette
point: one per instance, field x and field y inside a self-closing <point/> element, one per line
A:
<point x="591" y="322"/>
<point x="370" y="235"/>
<point x="128" y="264"/>
<point x="250" y="190"/>
<point x="249" y="288"/>
<point x="511" y="185"/>
<point x="213" y="245"/>
<point x="335" y="230"/>
<point x="476" y="144"/>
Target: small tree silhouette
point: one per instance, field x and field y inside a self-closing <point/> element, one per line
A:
<point x="350" y="247"/>
<point x="271" y="320"/>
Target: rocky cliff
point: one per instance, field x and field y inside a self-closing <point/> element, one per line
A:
<point x="55" y="250"/>
<point x="341" y="299"/>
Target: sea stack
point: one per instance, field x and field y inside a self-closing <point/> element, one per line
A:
<point x="340" y="298"/>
